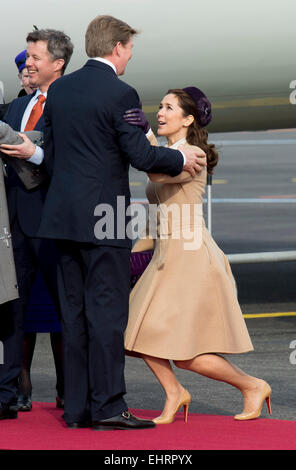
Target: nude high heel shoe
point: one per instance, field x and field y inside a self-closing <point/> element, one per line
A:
<point x="265" y="395"/>
<point x="185" y="402"/>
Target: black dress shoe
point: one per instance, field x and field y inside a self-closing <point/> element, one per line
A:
<point x="124" y="421"/>
<point x="7" y="411"/>
<point x="79" y="424"/>
<point x="24" y="403"/>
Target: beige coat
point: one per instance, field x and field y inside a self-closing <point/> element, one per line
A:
<point x="185" y="302"/>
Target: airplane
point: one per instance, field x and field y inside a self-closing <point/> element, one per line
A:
<point x="241" y="54"/>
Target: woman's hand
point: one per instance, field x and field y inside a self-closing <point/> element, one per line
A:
<point x="136" y="117"/>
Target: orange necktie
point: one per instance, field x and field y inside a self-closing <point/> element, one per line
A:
<point x="36" y="114"/>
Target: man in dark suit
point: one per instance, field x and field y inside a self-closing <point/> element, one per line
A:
<point x="88" y="150"/>
<point x="48" y="54"/>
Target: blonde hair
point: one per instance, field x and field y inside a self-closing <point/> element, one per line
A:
<point x="103" y="33"/>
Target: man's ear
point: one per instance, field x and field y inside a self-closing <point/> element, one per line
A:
<point x="59" y="64"/>
<point x="118" y="49"/>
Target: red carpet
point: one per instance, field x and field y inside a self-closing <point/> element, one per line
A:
<point x="44" y="429"/>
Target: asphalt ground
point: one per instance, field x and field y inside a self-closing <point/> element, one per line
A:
<point x="253" y="210"/>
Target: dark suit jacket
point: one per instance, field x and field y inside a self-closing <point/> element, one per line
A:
<point x="3" y="110"/>
<point x="26" y="204"/>
<point x="88" y="150"/>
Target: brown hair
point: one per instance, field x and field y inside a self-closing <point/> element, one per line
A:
<point x="103" y="33"/>
<point x="196" y="135"/>
<point x="59" y="45"/>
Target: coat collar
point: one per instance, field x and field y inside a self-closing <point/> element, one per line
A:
<point x="99" y="65"/>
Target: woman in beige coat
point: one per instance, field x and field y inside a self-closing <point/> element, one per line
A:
<point x="184" y="307"/>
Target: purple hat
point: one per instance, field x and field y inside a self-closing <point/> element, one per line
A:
<point x="20" y="60"/>
<point x="202" y="103"/>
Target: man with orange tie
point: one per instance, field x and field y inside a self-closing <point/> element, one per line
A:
<point x="48" y="54"/>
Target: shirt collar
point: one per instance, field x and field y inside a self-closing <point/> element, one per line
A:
<point x="38" y="92"/>
<point x="105" y="61"/>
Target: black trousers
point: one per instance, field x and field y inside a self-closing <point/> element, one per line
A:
<point x="30" y="254"/>
<point x="93" y="284"/>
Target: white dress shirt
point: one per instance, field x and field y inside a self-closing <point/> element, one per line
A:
<point x="38" y="156"/>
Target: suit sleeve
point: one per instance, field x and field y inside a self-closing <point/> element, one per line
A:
<point x="136" y="147"/>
